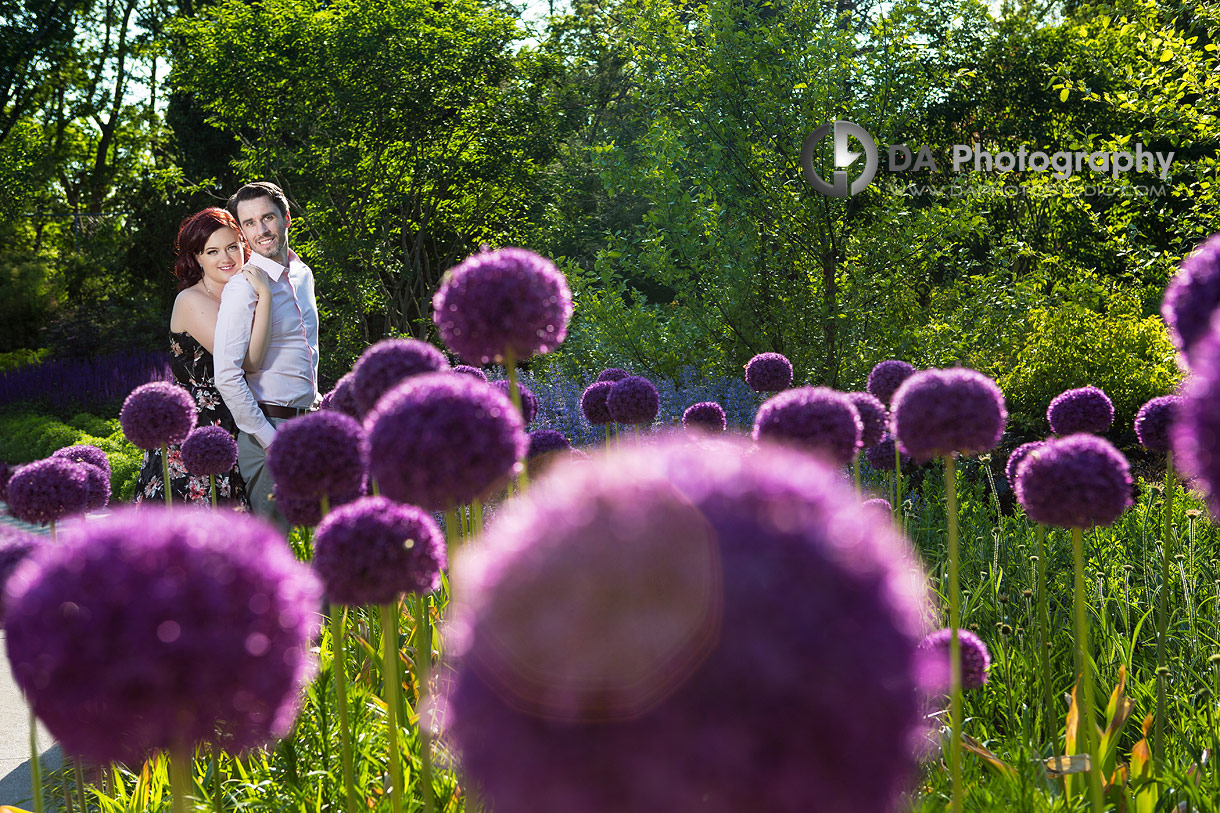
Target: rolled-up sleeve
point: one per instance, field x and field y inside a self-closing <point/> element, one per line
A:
<point x="237" y="301"/>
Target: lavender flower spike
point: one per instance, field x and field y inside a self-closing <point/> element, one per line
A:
<point x="939" y="412"/>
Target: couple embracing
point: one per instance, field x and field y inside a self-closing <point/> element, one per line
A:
<point x="243" y="341"/>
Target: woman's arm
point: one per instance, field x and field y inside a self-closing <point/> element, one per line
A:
<point x="260" y="329"/>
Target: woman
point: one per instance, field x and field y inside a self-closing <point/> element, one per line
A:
<point x="211" y="251"/>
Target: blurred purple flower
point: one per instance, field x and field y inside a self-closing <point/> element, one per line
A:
<point x="1192" y="297"/>
<point x="769" y="372"/>
<point x="1084" y="409"/>
<point x="441" y="440"/>
<point x="156" y="413"/>
<point x="879" y="504"/>
<point x="387" y="364"/>
<point x="612" y="374"/>
<point x="1194" y="434"/>
<point x="933" y="660"/>
<point x="593" y="403"/>
<point x="373" y="550"/>
<point x="886" y="377"/>
<point x="542" y="441"/>
<point x="633" y="401"/>
<point x="466" y="369"/>
<point x="529" y="401"/>
<point x="343" y="397"/>
<point x="872" y="417"/>
<point x="97" y="466"/>
<point x="306" y="512"/>
<point x="318" y="453"/>
<point x="1153" y="421"/>
<point x="1074" y="482"/>
<point x="154" y="629"/>
<point x="939" y="412"/>
<point x="816" y="419"/>
<point x="48" y="490"/>
<point x="1014" y="460"/>
<point x="706" y="416"/>
<point x="15" y="547"/>
<point x="881" y="456"/>
<point x="605" y="612"/>
<point x="495" y="301"/>
<point x="209" y="450"/>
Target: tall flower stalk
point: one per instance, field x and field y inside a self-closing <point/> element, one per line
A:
<point x="1162" y="621"/>
<point x="955" y="654"/>
<point x="393" y="682"/>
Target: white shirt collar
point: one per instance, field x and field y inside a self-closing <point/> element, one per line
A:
<point x="273" y="269"/>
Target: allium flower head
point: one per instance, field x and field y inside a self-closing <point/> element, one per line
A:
<point x="1191" y="298"/>
<point x="15" y="547"/>
<point x="633" y="401"/>
<point x="387" y="363"/>
<point x="707" y="416"/>
<point x="934" y="661"/>
<point x="1194" y="433"/>
<point x="593" y="403"/>
<point x="442" y="440"/>
<point x="157" y="412"/>
<point x="496" y="301"/>
<point x="529" y="401"/>
<point x="343" y="397"/>
<point x="466" y="369"/>
<point x="318" y="453"/>
<point x="879" y="504"/>
<point x="604" y="613"/>
<point x="769" y="372"/>
<point x="939" y="412"/>
<point x="306" y="512"/>
<point x="1153" y="420"/>
<point x="373" y="550"/>
<point x="886" y="377"/>
<point x="612" y="374"/>
<point x="1014" y="460"/>
<point x="547" y="440"/>
<point x="1074" y="482"/>
<point x="1085" y="409"/>
<point x="872" y="417"/>
<point x="153" y="629"/>
<point x="49" y="490"/>
<point x="814" y="418"/>
<point x="209" y="450"/>
<point x="97" y="467"/>
<point x="881" y="456"/>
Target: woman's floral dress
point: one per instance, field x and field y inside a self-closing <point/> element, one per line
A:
<point x="193" y="369"/>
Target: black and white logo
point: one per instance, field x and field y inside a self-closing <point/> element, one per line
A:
<point x="842" y="186"/>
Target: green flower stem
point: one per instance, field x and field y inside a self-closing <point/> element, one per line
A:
<point x="955" y="657"/>
<point x="855" y="471"/>
<point x="453" y="532"/>
<point x="898" y="485"/>
<point x="212" y="487"/>
<point x="423" y="670"/>
<point x="338" y="645"/>
<point x="217" y="798"/>
<point x="35" y="764"/>
<point x="165" y="474"/>
<point x="78" y="776"/>
<point x="1044" y="626"/>
<point x="389" y="674"/>
<point x="1162" y="619"/>
<point x="180" y="766"/>
<point x="510" y="364"/>
<point x="1086" y="736"/>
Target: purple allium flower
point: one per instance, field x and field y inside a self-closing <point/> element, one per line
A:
<point x="209" y="450"/>
<point x="97" y="466"/>
<point x="593" y="403"/>
<point x="529" y="401"/>
<point x="1085" y="409"/>
<point x="156" y="413"/>
<point x="886" y="377"/>
<point x="317" y="453"/>
<point x="881" y="456"/>
<point x="604" y="613"/>
<point x="373" y="550"/>
<point x="15" y="547"/>
<point x="542" y="441"/>
<point x="707" y="416"/>
<point x="1153" y="421"/>
<point x="1074" y="482"/>
<point x="466" y="369"/>
<point x="933" y="659"/>
<point x="387" y="363"/>
<point x="1014" y="460"/>
<point x="814" y="418"/>
<point x="633" y="400"/>
<point x="769" y="372"/>
<point x="939" y="412"/>
<point x="306" y="512"/>
<point x="612" y="374"/>
<point x="442" y="440"/>
<point x="1192" y="296"/>
<point x="872" y="417"/>
<point x="156" y="629"/>
<point x="49" y="490"/>
<point x="1194" y="434"/>
<point x="879" y="504"/>
<point x="343" y="397"/>
<point x="496" y="301"/>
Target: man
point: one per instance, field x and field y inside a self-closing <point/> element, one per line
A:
<point x="287" y="383"/>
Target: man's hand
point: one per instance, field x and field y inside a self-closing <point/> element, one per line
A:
<point x="258" y="279"/>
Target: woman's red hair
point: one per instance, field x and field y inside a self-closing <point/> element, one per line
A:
<point x="193" y="235"/>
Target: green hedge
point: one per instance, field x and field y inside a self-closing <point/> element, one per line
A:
<point x="26" y="436"/>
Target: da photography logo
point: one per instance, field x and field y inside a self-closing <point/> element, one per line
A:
<point x="844" y="158"/>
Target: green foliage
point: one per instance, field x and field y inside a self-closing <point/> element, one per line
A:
<point x="27" y="436"/>
<point x="15" y="359"/>
<point x="1126" y="355"/>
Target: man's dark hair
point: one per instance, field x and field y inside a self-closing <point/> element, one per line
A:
<point x="258" y="189"/>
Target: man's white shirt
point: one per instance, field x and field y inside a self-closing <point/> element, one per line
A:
<point x="289" y="374"/>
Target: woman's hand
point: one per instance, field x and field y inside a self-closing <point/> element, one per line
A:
<point x="258" y="279"/>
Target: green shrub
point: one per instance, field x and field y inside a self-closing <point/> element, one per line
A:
<point x="21" y="358"/>
<point x="1127" y="355"/>
<point x="26" y="436"/>
<point x="98" y="427"/>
